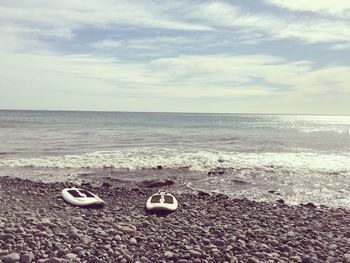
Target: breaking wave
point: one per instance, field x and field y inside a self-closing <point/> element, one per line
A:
<point x="147" y="158"/>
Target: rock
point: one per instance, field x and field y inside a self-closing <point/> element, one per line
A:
<point x="28" y="257"/>
<point x="11" y="258"/>
<point x="106" y="185"/>
<point x="219" y="242"/>
<point x="51" y="260"/>
<point x="216" y="171"/>
<point x="195" y="254"/>
<point x="133" y="241"/>
<point x="128" y="257"/>
<point x="168" y="254"/>
<point x="331" y="259"/>
<point x="117" y="238"/>
<point x="296" y="258"/>
<point x="281" y="201"/>
<point x="86" y="240"/>
<point x="347" y="257"/>
<point x="332" y="246"/>
<point x="6" y="237"/>
<point x="307" y="259"/>
<point x="127" y="229"/>
<point x="253" y="260"/>
<point x="70" y="256"/>
<point x="310" y="205"/>
<point x="233" y="259"/>
<point x="154" y="183"/>
<point x="76" y="250"/>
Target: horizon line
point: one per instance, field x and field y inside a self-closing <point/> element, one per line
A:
<point x="177" y="112"/>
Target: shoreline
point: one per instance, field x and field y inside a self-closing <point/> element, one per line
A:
<point x="36" y="225"/>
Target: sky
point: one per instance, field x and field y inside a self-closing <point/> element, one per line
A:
<point x="267" y="56"/>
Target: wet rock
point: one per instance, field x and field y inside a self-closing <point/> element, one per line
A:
<point x="155" y="183"/>
<point x="106" y="185"/>
<point x="310" y="205"/>
<point x="216" y="172"/>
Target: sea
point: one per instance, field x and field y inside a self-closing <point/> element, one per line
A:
<point x="296" y="158"/>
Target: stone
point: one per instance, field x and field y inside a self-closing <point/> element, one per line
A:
<point x="6" y="237"/>
<point x="155" y="183"/>
<point x="233" y="259"/>
<point x="28" y="257"/>
<point x="127" y="229"/>
<point x="70" y="256"/>
<point x="128" y="257"/>
<point x="332" y="246"/>
<point x="219" y="242"/>
<point x="195" y="254"/>
<point x="296" y="258"/>
<point x="133" y="241"/>
<point x="253" y="260"/>
<point x="307" y="259"/>
<point x="169" y="254"/>
<point x="51" y="260"/>
<point x="11" y="258"/>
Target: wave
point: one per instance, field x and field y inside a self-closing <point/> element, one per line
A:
<point x="148" y="158"/>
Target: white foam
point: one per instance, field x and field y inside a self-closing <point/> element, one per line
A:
<point x="322" y="178"/>
<point x="145" y="158"/>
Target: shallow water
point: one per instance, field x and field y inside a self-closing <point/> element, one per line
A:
<point x="296" y="158"/>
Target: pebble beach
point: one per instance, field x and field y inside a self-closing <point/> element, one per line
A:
<point x="37" y="225"/>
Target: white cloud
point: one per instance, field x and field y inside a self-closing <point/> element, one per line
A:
<point x="276" y="26"/>
<point x="143" y="43"/>
<point x="107" y="44"/>
<point x="339" y="8"/>
<point x="186" y="76"/>
<point x="62" y="18"/>
<point x="341" y="46"/>
<point x="31" y="64"/>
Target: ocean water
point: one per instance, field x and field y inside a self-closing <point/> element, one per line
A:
<point x="296" y="158"/>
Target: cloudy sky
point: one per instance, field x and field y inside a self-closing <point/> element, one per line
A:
<point x="267" y="56"/>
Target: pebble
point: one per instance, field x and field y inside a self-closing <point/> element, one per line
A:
<point x="128" y="229"/>
<point x="28" y="257"/>
<point x="71" y="256"/>
<point x="195" y="253"/>
<point x="216" y="229"/>
<point x="168" y="254"/>
<point x="133" y="241"/>
<point x="219" y="242"/>
<point x="51" y="260"/>
<point x="11" y="258"/>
